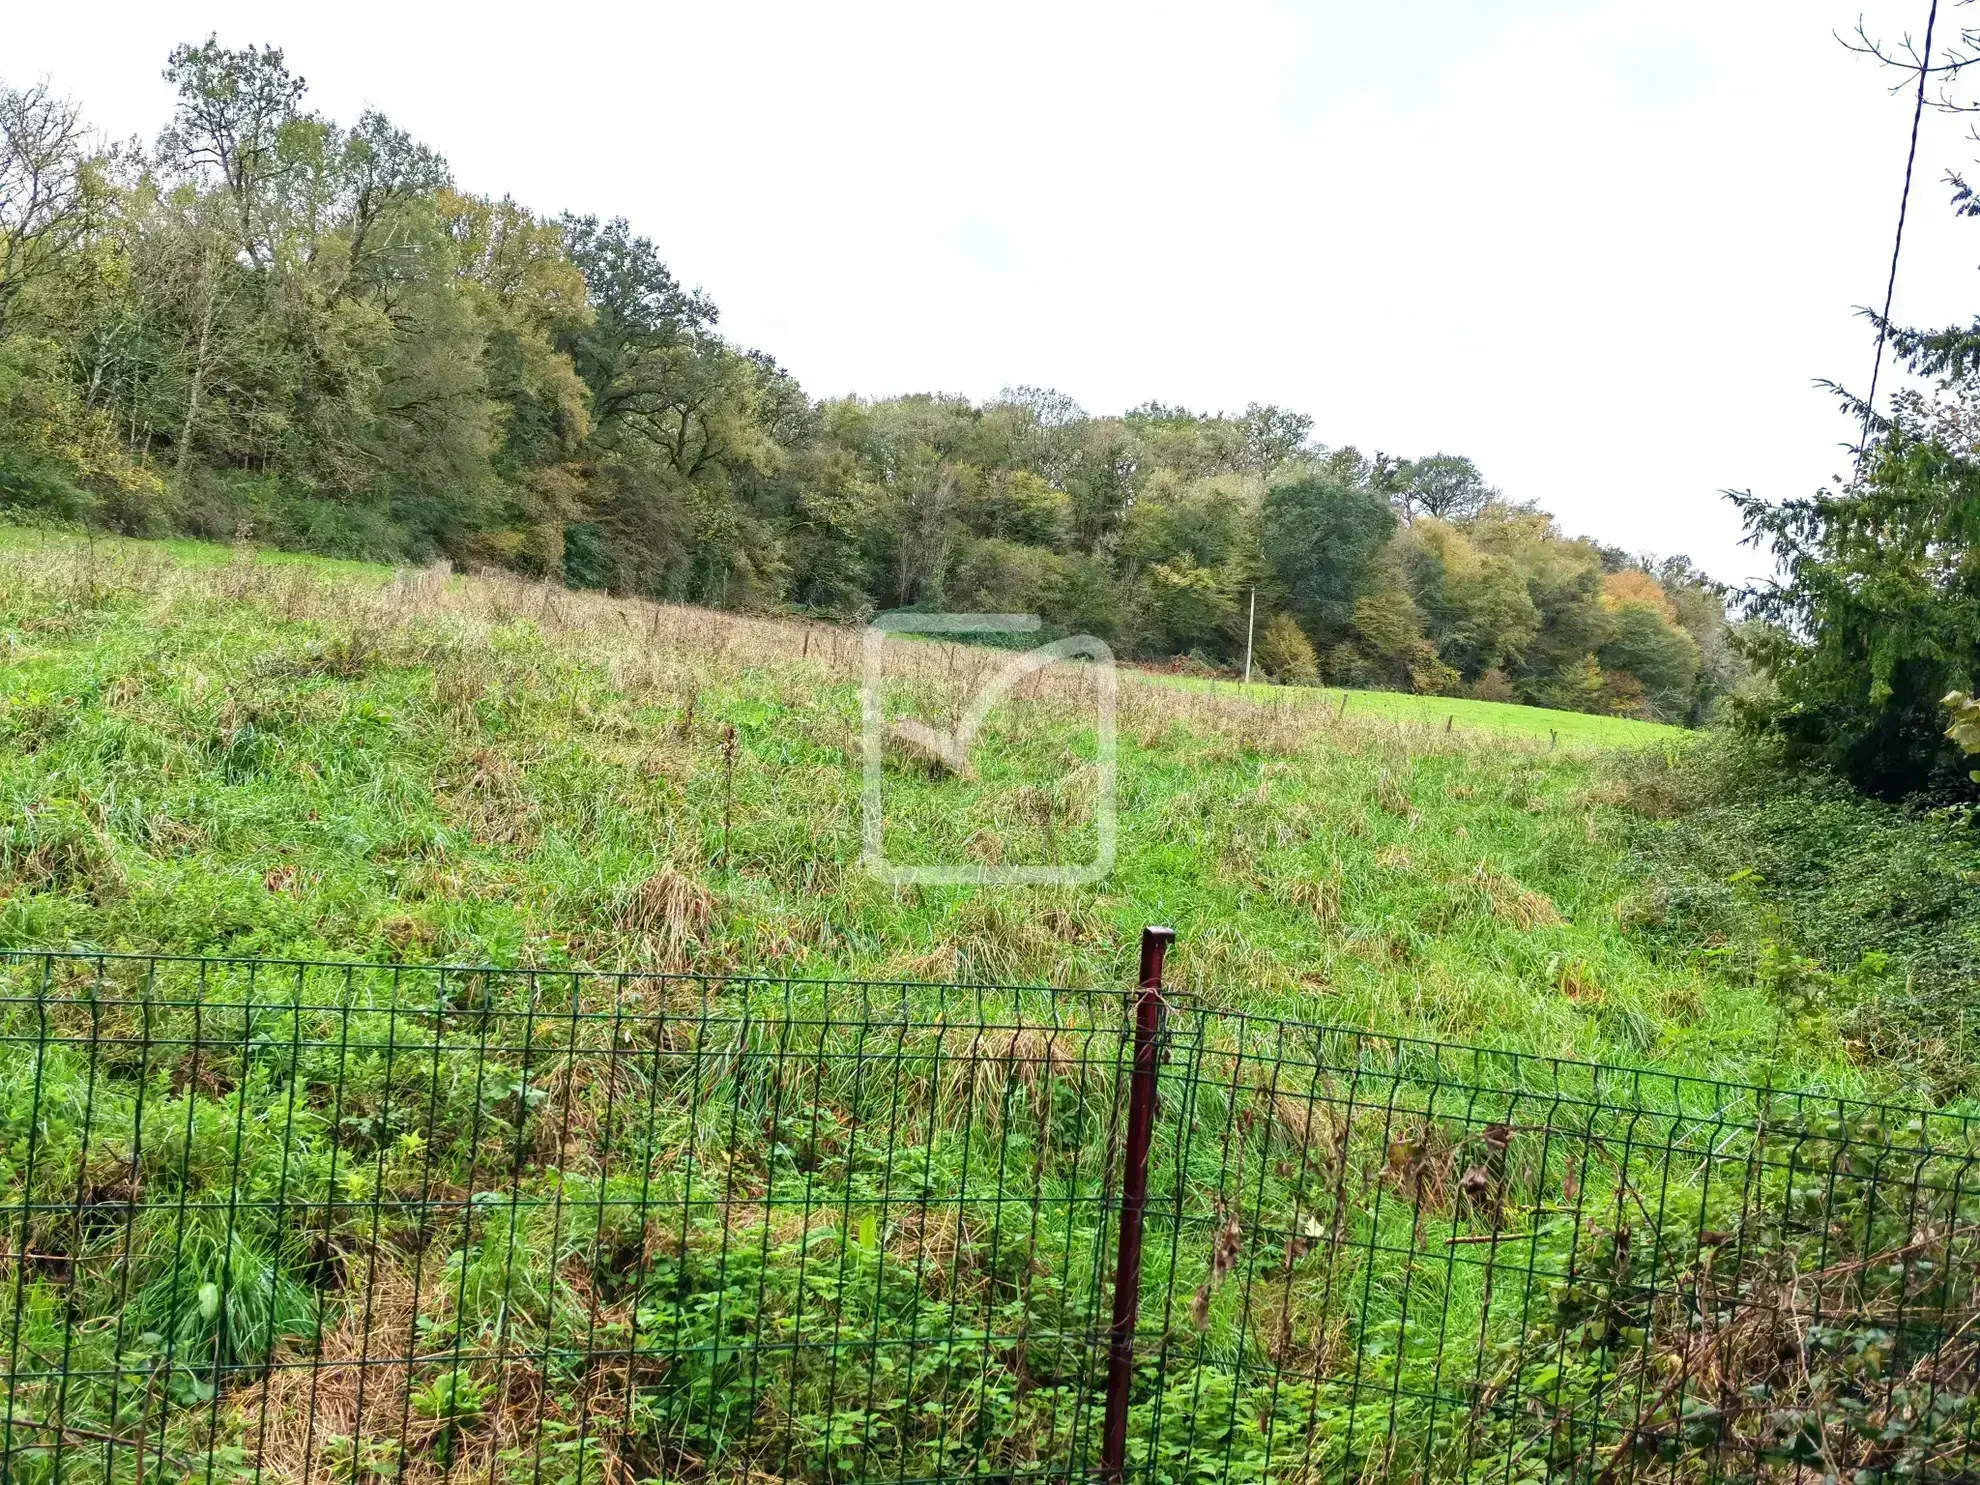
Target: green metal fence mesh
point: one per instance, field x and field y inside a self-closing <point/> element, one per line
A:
<point x="310" y="1222"/>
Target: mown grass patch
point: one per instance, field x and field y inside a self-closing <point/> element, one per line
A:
<point x="1505" y="719"/>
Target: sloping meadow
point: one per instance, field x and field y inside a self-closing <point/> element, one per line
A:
<point x="205" y="750"/>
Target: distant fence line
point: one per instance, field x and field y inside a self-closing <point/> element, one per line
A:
<point x="292" y="1221"/>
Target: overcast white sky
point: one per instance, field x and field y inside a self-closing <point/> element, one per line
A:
<point x="1604" y="248"/>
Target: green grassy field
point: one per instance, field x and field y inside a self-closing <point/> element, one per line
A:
<point x="222" y="752"/>
<point x="1569" y="729"/>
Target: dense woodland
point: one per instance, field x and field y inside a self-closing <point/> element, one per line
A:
<point x="270" y="326"/>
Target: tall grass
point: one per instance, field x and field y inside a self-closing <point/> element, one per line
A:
<point x="341" y="1223"/>
<point x="220" y="751"/>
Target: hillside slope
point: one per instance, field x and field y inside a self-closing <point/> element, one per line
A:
<point x="219" y="751"/>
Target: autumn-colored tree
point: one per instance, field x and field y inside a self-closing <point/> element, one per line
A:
<point x="277" y="324"/>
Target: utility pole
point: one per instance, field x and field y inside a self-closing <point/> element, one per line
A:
<point x="1250" y="619"/>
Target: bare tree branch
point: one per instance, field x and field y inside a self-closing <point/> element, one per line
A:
<point x="44" y="197"/>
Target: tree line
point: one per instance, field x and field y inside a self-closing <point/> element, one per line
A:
<point x="267" y="325"/>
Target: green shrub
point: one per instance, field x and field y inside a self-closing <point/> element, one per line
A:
<point x="1852" y="911"/>
<point x="1965" y="728"/>
<point x="1878" y="615"/>
<point x="1286" y="654"/>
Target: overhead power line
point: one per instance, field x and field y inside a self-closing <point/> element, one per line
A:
<point x="1897" y="247"/>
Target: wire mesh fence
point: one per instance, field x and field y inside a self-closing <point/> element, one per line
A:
<point x="300" y="1222"/>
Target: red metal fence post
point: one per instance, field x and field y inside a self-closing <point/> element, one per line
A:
<point x="1148" y="1006"/>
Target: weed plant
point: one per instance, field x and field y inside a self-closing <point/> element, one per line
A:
<point x="357" y="1224"/>
<point x="1858" y="917"/>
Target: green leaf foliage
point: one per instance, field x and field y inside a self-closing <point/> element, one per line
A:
<point x="276" y="329"/>
<point x="1877" y="614"/>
